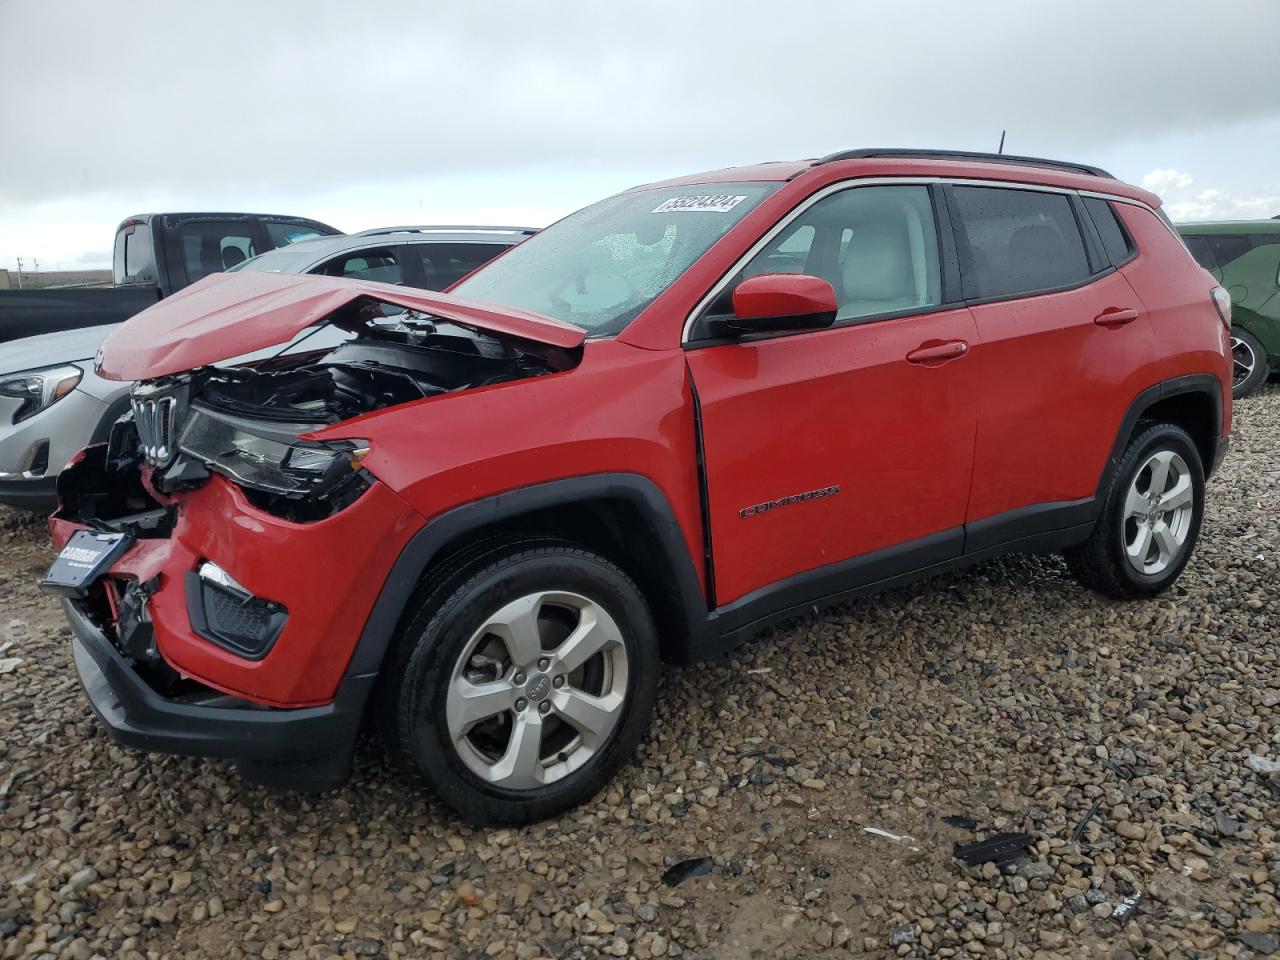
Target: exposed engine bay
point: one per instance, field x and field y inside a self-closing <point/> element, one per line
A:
<point x="246" y="421"/>
<point x="388" y="365"/>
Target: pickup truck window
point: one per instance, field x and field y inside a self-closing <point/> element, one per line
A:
<point x="283" y="233"/>
<point x="134" y="257"/>
<point x="599" y="267"/>
<point x="211" y="246"/>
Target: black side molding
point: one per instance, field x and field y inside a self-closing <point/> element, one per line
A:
<point x="1003" y="528"/>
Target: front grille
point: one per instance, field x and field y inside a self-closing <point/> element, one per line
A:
<point x="158" y="407"/>
<point x="155" y="428"/>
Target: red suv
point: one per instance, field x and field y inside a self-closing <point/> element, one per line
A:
<point x="672" y="418"/>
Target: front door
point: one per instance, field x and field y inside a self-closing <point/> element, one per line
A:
<point x="834" y="444"/>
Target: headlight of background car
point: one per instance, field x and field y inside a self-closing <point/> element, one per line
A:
<point x="255" y="456"/>
<point x="39" y="389"/>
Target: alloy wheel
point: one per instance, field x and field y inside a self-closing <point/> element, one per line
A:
<point x="1158" y="513"/>
<point x="538" y="689"/>
<point x="1244" y="361"/>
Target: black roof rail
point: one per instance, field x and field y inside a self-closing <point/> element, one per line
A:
<point x="867" y="153"/>
<point x="446" y="228"/>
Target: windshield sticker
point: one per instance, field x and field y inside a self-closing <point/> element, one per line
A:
<point x="698" y="205"/>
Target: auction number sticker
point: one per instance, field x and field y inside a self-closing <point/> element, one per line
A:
<point x="698" y="204"/>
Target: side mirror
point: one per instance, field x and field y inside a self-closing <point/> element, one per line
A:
<point x="778" y="302"/>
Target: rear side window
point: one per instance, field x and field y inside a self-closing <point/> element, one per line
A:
<point x="211" y="246"/>
<point x="1020" y="241"/>
<point x="381" y="264"/>
<point x="1228" y="248"/>
<point x="1199" y="247"/>
<point x="444" y="264"/>
<point x="1115" y="239"/>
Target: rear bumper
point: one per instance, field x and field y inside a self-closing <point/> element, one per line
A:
<point x="302" y="749"/>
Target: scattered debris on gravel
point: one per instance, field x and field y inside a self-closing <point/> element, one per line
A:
<point x="1135" y="743"/>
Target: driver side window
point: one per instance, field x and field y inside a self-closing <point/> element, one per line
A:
<point x="876" y="246"/>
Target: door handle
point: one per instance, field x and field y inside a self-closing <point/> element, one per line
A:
<point x="1116" y="317"/>
<point x="934" y="352"/>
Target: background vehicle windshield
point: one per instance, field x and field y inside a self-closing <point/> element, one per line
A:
<point x="599" y="267"/>
<point x="281" y="260"/>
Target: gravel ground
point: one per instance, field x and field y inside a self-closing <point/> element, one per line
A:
<point x="1004" y="698"/>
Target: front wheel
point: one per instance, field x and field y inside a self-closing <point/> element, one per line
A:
<point x="1150" y="520"/>
<point x="524" y="682"/>
<point x="1249" y="367"/>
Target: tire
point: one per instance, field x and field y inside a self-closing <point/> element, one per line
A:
<point x="489" y="634"/>
<point x="1103" y="562"/>
<point x="1250" y="367"/>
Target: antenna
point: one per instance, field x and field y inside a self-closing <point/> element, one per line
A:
<point x="1002" y="133"/>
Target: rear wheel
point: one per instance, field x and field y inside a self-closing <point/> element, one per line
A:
<point x="524" y="682"/>
<point x="1249" y="367"/>
<point x="1150" y="520"/>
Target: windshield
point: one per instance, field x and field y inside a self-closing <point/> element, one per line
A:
<point x="599" y="267"/>
<point x="281" y="260"/>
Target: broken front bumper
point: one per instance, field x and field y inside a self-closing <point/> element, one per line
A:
<point x="154" y="646"/>
<point x="304" y="749"/>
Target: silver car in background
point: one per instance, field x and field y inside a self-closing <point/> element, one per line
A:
<point x="52" y="404"/>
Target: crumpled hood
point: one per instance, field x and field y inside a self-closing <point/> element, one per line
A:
<point x="229" y="314"/>
<point x="52" y="349"/>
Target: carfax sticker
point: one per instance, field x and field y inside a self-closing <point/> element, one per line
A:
<point x="698" y="204"/>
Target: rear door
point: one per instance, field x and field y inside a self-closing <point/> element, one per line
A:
<point x="1063" y="337"/>
<point x="827" y="445"/>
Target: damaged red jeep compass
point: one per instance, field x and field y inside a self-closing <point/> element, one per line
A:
<point x="485" y="518"/>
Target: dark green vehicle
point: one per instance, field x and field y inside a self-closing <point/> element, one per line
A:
<point x="1245" y="257"/>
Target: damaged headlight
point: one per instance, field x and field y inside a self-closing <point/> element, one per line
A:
<point x="261" y="457"/>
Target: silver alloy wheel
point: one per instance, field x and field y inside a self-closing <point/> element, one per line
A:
<point x="1158" y="511"/>
<point x="537" y="690"/>
<point x="1244" y="361"/>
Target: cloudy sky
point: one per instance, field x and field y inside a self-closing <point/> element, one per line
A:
<point x="518" y="112"/>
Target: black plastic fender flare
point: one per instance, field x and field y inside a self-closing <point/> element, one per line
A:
<point x="425" y="546"/>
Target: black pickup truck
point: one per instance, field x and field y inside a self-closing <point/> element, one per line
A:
<point x="155" y="255"/>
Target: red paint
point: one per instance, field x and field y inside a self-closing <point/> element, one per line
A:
<point x="924" y="422"/>
<point x="229" y="314"/>
<point x="771" y="295"/>
<point x="833" y="407"/>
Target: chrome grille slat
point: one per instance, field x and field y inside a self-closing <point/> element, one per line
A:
<point x="157" y="407"/>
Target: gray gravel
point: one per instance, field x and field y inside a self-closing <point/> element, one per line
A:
<point x="1004" y="698"/>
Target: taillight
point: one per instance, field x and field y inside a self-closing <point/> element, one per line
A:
<point x="1222" y="301"/>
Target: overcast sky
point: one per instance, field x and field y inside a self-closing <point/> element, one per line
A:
<point x="367" y="114"/>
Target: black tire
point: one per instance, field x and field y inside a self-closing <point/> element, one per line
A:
<point x="1101" y="562"/>
<point x="450" y="609"/>
<point x="1247" y="349"/>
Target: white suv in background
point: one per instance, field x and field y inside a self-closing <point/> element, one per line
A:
<point x="52" y="404"/>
